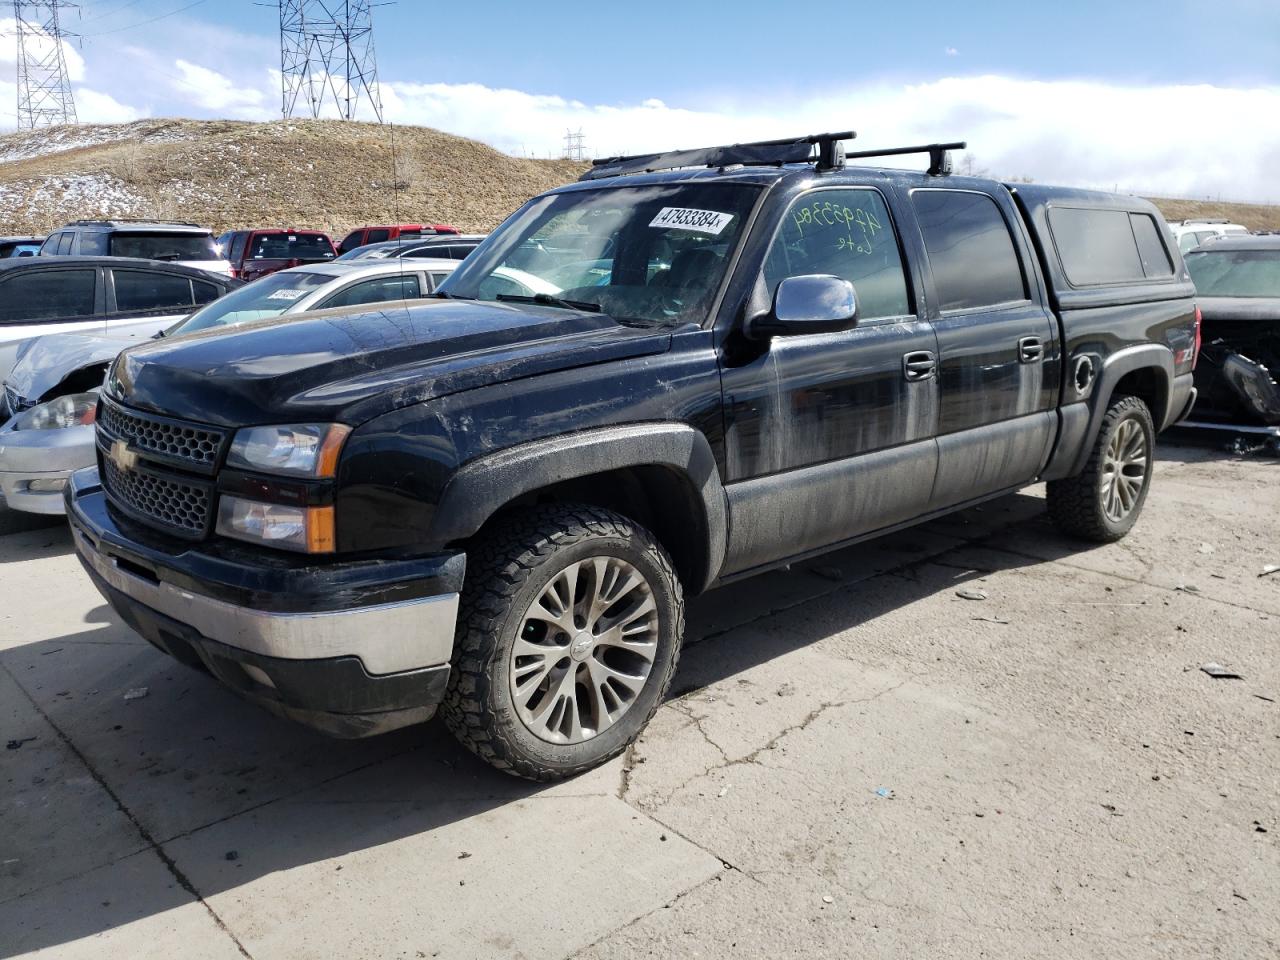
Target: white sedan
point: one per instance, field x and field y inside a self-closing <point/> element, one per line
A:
<point x="51" y="433"/>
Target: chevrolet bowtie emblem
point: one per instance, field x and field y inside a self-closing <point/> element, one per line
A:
<point x="122" y="456"/>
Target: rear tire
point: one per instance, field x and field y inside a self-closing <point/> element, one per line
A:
<point x="1102" y="502"/>
<point x="568" y="636"/>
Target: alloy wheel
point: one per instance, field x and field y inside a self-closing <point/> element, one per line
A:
<point x="585" y="650"/>
<point x="1124" y="470"/>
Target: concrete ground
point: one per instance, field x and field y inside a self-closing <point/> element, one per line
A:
<point x="855" y="761"/>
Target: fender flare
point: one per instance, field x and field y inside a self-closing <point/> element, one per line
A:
<point x="481" y="487"/>
<point x="1142" y="356"/>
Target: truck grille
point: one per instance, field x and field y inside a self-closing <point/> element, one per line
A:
<point x="179" y="443"/>
<point x="172" y="505"/>
<point x="159" y="471"/>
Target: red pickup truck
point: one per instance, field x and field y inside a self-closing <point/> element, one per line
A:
<point x="362" y="236"/>
<point x="256" y="253"/>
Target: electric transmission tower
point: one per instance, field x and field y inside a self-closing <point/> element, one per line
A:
<point x="44" y="87"/>
<point x="574" y="147"/>
<point x="326" y="56"/>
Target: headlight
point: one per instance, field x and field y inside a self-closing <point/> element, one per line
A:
<point x="74" y="410"/>
<point x="305" y="529"/>
<point x="300" y="450"/>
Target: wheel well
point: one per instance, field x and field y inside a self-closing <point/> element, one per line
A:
<point x="81" y="381"/>
<point x="658" y="498"/>
<point x="1148" y="385"/>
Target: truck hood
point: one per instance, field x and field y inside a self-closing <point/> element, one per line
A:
<point x="1240" y="308"/>
<point x="351" y="365"/>
<point x="44" y="362"/>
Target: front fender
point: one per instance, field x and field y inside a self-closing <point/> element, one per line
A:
<point x="483" y="486"/>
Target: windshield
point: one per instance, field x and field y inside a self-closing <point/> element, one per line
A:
<point x="268" y="297"/>
<point x="291" y="246"/>
<point x="647" y="254"/>
<point x="165" y="246"/>
<point x="1235" y="273"/>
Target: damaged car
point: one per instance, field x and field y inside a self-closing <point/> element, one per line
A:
<point x="52" y="389"/>
<point x="1238" y="282"/>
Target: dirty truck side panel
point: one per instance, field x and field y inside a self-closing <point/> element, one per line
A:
<point x="826" y="437"/>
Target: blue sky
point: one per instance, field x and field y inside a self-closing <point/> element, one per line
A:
<point x="1178" y="96"/>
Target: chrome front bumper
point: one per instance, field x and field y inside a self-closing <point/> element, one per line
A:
<point x="36" y="464"/>
<point x="352" y="649"/>
<point x="385" y="638"/>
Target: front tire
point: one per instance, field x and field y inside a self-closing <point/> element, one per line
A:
<point x="1102" y="502"/>
<point x="568" y="636"/>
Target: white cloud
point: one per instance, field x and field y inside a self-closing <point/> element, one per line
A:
<point x="1173" y="139"/>
<point x="93" y="106"/>
<point x="951" y="52"/>
<point x="214" y="91"/>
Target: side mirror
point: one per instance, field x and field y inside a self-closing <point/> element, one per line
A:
<point x="818" y="303"/>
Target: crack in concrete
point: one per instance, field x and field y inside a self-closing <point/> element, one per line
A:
<point x="174" y="870"/>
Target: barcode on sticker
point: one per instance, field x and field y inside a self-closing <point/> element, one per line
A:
<point x="684" y="218"/>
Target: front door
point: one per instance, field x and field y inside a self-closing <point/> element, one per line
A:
<point x="830" y="436"/>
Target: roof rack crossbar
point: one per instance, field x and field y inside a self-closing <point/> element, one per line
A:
<point x="939" y="162"/>
<point x="829" y="156"/>
<point x="110" y="220"/>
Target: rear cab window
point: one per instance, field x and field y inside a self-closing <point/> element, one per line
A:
<point x="970" y="250"/>
<point x="290" y="246"/>
<point x="1098" y="247"/>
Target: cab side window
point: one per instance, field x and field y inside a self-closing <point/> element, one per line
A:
<point x="64" y="244"/>
<point x="47" y="295"/>
<point x="970" y="250"/>
<point x="848" y="234"/>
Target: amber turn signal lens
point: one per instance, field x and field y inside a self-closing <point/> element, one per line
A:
<point x="321" y="537"/>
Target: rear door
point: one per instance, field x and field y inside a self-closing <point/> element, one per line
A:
<point x="997" y="341"/>
<point x="148" y="300"/>
<point x="830" y="436"/>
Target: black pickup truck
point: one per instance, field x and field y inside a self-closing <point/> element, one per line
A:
<point x="682" y="370"/>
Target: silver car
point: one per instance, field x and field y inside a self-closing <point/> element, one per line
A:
<point x="45" y="443"/>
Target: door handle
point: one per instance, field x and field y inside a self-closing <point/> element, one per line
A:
<point x="1030" y="350"/>
<point x="919" y="365"/>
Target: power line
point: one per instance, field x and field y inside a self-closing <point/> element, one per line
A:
<point x="327" y="55"/>
<point x="44" y="86"/>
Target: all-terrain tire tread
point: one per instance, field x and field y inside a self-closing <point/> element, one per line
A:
<point x="499" y="563"/>
<point x="1074" y="505"/>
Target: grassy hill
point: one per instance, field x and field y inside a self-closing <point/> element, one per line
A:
<point x="301" y="173"/>
<point x="315" y="173"/>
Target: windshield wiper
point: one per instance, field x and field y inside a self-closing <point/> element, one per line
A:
<point x="546" y="299"/>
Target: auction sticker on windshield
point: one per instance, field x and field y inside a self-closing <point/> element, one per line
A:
<point x="684" y="218"/>
<point x="286" y="294"/>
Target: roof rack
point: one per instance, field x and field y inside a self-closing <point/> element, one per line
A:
<point x="115" y="220"/>
<point x="1206" y="220"/>
<point x="939" y="160"/>
<point x="829" y="156"/>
